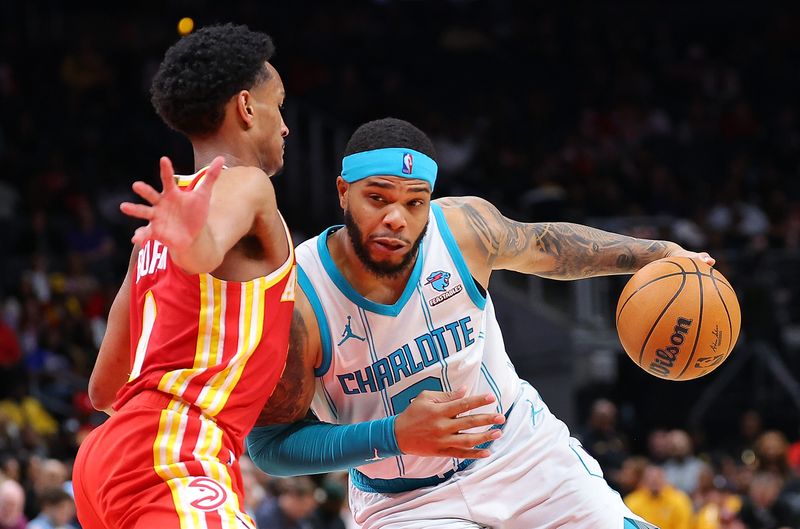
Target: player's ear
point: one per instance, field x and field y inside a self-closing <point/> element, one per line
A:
<point x="244" y="107"/>
<point x="342" y="187"/>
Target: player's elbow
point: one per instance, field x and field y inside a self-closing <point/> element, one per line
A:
<point x="100" y="396"/>
<point x="263" y="447"/>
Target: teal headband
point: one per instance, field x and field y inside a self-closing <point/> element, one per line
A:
<point x="405" y="163"/>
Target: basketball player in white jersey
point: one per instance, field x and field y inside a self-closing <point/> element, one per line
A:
<point x="396" y="348"/>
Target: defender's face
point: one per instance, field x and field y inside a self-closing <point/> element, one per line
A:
<point x="386" y="217"/>
<point x="271" y="130"/>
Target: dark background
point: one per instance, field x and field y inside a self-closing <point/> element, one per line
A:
<point x="663" y="120"/>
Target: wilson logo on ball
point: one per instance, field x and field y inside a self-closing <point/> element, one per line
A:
<point x="665" y="358"/>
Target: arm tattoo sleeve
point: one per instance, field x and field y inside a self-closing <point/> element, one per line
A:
<point x="291" y="398"/>
<point x="557" y="250"/>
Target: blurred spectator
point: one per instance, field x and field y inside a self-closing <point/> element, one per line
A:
<point x="660" y="503"/>
<point x="329" y="513"/>
<point x="28" y="416"/>
<point x="715" y="507"/>
<point x="41" y="236"/>
<point x="602" y="439"/>
<point x="742" y="446"/>
<point x="12" y="504"/>
<point x="10" y="468"/>
<point x="627" y="479"/>
<point x="90" y="240"/>
<point x="43" y="475"/>
<point x="658" y="445"/>
<point x="764" y="508"/>
<point x="706" y="486"/>
<point x="57" y="510"/>
<point x="256" y="496"/>
<point x="772" y="453"/>
<point x="682" y="469"/>
<point x="10" y="352"/>
<point x="793" y="457"/>
<point x="719" y="512"/>
<point x="10" y="365"/>
<point x="293" y="506"/>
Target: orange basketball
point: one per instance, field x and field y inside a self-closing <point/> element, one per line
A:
<point x="678" y="318"/>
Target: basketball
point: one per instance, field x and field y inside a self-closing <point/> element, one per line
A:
<point x="678" y="318"/>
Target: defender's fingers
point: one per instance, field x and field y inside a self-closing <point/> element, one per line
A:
<point x="147" y="192"/>
<point x="141" y="235"/>
<point x="167" y="174"/>
<point x="214" y="170"/>
<point x="140" y="211"/>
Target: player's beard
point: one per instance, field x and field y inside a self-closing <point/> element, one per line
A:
<point x="380" y="269"/>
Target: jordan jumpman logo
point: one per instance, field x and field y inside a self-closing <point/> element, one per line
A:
<point x="348" y="333"/>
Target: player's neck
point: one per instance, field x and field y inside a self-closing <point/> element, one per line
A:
<point x="380" y="289"/>
<point x="205" y="150"/>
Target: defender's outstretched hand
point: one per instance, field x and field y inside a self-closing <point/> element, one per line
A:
<point x="174" y="217"/>
<point x="433" y="423"/>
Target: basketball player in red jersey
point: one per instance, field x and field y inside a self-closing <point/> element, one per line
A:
<point x="198" y="334"/>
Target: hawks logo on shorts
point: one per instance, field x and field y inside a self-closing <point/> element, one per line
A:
<point x="208" y="494"/>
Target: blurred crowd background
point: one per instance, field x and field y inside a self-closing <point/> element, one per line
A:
<point x="658" y="119"/>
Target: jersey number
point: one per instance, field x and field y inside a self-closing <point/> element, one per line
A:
<point x="148" y="320"/>
<point x="401" y="401"/>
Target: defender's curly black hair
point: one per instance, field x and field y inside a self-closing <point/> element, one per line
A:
<point x="202" y="71"/>
<point x="389" y="132"/>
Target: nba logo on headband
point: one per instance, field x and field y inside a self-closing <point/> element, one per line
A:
<point x="408" y="163"/>
<point x="415" y="165"/>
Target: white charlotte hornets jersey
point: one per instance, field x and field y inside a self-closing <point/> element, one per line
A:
<point x="441" y="334"/>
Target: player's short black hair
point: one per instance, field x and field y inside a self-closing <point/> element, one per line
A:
<point x="389" y="132"/>
<point x="202" y="71"/>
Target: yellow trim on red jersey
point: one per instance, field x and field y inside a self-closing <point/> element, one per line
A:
<point x="167" y="464"/>
<point x="218" y="325"/>
<point x="218" y="389"/>
<point x="237" y="368"/>
<point x="188" y="180"/>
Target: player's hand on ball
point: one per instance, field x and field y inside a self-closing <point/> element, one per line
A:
<point x="703" y="256"/>
<point x="433" y="423"/>
<point x="174" y="217"/>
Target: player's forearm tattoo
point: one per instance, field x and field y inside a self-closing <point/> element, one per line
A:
<point x="289" y="402"/>
<point x="575" y="251"/>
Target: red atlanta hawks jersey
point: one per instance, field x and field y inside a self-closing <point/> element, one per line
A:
<point x="218" y="345"/>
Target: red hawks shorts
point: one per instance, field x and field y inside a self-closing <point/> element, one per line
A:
<point x="158" y="464"/>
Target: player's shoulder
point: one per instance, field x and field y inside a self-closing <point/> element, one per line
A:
<point x="467" y="209"/>
<point x="455" y="203"/>
<point x="247" y="174"/>
<point x="248" y="183"/>
<point x="473" y="223"/>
